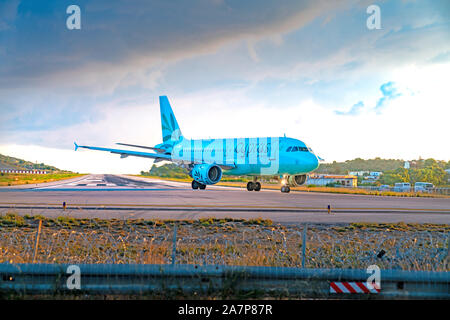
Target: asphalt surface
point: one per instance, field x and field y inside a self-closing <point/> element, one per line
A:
<point x="126" y="197"/>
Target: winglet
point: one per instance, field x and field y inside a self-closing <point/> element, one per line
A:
<point x="76" y="146"/>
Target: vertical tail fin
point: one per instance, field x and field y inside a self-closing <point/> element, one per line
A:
<point x="170" y="130"/>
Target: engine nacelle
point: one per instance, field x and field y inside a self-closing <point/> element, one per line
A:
<point x="295" y="181"/>
<point x="206" y="173"/>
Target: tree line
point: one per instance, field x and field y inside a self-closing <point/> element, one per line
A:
<point x="425" y="170"/>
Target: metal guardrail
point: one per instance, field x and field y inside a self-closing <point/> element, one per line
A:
<point x="147" y="279"/>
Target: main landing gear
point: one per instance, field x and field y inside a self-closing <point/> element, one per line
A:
<point x="285" y="189"/>
<point x="197" y="185"/>
<point x="253" y="186"/>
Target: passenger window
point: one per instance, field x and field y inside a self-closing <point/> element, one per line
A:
<point x="289" y="149"/>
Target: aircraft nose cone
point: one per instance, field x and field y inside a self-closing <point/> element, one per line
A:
<point x="313" y="162"/>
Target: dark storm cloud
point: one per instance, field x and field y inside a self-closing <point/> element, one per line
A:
<point x="37" y="46"/>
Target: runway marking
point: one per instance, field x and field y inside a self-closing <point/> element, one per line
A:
<point x="218" y="209"/>
<point x="221" y="206"/>
<point x="91" y="189"/>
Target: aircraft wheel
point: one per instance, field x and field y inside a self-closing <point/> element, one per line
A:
<point x="195" y="185"/>
<point x="257" y="186"/>
<point x="285" y="189"/>
<point x="202" y="186"/>
<point x="250" y="186"/>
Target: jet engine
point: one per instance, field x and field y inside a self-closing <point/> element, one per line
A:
<point x="206" y="173"/>
<point x="295" y="181"/>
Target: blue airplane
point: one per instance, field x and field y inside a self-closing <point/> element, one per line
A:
<point x="206" y="160"/>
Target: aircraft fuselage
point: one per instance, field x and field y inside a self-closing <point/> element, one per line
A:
<point x="249" y="156"/>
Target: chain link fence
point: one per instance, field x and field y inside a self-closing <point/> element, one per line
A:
<point x="224" y="242"/>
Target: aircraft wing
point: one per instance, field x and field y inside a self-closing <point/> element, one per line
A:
<point x="157" y="156"/>
<point x="126" y="153"/>
<point x="159" y="150"/>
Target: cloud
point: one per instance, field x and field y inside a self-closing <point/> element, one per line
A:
<point x="356" y="108"/>
<point x="118" y="38"/>
<point x="8" y="13"/>
<point x="441" y="57"/>
<point x="223" y="61"/>
<point x="389" y="92"/>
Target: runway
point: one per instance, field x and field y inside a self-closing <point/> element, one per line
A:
<point x="128" y="197"/>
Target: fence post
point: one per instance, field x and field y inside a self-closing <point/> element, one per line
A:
<point x="305" y="229"/>
<point x="174" y="244"/>
<point x="36" y="245"/>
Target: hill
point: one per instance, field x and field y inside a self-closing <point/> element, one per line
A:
<point x="7" y="162"/>
<point x="377" y="164"/>
<point x="169" y="170"/>
<point x="359" y="164"/>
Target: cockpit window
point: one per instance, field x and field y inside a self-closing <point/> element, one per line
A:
<point x="297" y="148"/>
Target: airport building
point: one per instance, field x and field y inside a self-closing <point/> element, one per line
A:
<point x="7" y="170"/>
<point x="359" y="173"/>
<point x="324" y="179"/>
<point x="368" y="176"/>
<point x="375" y="174"/>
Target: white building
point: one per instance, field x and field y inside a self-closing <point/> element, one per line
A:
<point x="324" y="179"/>
<point x="4" y="170"/>
<point x="359" y="173"/>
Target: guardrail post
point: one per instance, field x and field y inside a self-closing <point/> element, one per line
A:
<point x="447" y="258"/>
<point x="174" y="244"/>
<point x="305" y="229"/>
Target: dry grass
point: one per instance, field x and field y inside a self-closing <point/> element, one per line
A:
<point x="9" y="179"/>
<point x="254" y="242"/>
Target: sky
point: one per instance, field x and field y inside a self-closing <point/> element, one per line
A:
<point x="312" y="70"/>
